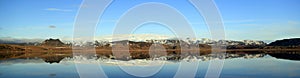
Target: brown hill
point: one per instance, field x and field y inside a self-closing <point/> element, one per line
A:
<point x="7" y="47"/>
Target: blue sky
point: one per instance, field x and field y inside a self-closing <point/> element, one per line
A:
<point x="243" y="19"/>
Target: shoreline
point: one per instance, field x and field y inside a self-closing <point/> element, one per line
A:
<point x="18" y="51"/>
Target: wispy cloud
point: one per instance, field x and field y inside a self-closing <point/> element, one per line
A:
<point x="239" y="21"/>
<point x="228" y="21"/>
<point x="52" y="26"/>
<point x="18" y="40"/>
<point x="271" y="31"/>
<point x="293" y="22"/>
<point x="57" y="9"/>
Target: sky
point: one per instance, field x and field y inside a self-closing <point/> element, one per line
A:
<point x="243" y="19"/>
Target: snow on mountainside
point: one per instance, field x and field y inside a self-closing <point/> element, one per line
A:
<point x="133" y="37"/>
<point x="150" y="38"/>
<point x="162" y="39"/>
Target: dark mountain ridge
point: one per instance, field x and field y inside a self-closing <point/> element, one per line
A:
<point x="52" y="42"/>
<point x="286" y="42"/>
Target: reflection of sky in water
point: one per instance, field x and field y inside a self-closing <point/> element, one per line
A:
<point x="261" y="67"/>
<point x="38" y="70"/>
<point x="236" y="67"/>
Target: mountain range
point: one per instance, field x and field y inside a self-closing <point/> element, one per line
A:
<point x="151" y="38"/>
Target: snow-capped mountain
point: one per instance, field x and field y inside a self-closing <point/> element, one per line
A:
<point x="133" y="37"/>
<point x="149" y="38"/>
<point x="163" y="39"/>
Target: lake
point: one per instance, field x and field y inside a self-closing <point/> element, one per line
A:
<point x="260" y="65"/>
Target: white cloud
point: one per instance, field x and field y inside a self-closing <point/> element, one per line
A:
<point x="56" y="9"/>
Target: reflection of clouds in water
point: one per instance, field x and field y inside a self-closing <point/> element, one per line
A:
<point x="20" y="61"/>
<point x="268" y="65"/>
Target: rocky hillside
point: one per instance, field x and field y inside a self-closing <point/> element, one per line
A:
<point x="286" y="42"/>
<point x="52" y="42"/>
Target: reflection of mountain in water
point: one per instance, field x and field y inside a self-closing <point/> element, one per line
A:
<point x="207" y="57"/>
<point x="53" y="59"/>
<point x="286" y="55"/>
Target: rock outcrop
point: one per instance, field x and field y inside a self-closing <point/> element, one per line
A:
<point x="53" y="42"/>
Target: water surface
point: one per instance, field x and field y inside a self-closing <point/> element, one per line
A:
<point x="259" y="65"/>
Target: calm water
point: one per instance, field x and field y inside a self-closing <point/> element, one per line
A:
<point x="235" y="65"/>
